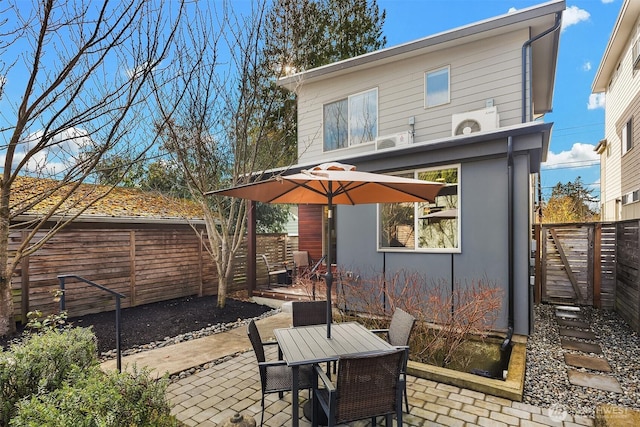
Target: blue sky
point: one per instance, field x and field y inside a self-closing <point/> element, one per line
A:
<point x="578" y="116"/>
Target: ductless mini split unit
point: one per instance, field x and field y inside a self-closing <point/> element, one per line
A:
<point x="393" y="141"/>
<point x="475" y="121"/>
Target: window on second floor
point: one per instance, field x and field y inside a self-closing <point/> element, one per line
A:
<point x="631" y="197"/>
<point x="423" y="227"/>
<point x="627" y="137"/>
<point x="436" y="87"/>
<point x="351" y="121"/>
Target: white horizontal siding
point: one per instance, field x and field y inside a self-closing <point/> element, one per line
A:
<point x="619" y="96"/>
<point x="482" y="70"/>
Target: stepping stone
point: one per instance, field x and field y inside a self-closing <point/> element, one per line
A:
<point x="599" y="382"/>
<point x="567" y="308"/>
<point x="580" y="346"/>
<point x="587" y="362"/>
<point x="570" y="315"/>
<point x="573" y="324"/>
<point x="585" y="335"/>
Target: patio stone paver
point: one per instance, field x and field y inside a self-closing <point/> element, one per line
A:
<point x="585" y="335"/>
<point x="567" y="323"/>
<point x="600" y="382"/>
<point x="568" y="344"/>
<point x="587" y="362"/>
<point x="431" y="403"/>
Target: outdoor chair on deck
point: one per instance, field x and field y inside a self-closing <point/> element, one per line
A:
<point x="274" y="270"/>
<point x="398" y="335"/>
<point x="275" y="376"/>
<point x="367" y="386"/>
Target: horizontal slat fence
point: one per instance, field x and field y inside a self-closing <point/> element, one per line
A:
<point x="627" y="273"/>
<point x="145" y="262"/>
<point x="577" y="264"/>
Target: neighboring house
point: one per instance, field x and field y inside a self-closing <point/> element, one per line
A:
<point x="461" y="107"/>
<point x="618" y="77"/>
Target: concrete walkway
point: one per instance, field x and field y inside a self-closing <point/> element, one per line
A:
<point x="211" y="396"/>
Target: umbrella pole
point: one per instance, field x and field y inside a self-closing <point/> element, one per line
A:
<point x="329" y="275"/>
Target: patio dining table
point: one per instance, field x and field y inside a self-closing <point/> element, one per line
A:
<point x="305" y="345"/>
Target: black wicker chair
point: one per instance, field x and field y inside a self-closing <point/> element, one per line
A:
<point x="275" y="376"/>
<point x="398" y="335"/>
<point x="367" y="386"/>
<point x="305" y="313"/>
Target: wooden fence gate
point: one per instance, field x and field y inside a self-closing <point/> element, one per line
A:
<point x="575" y="264"/>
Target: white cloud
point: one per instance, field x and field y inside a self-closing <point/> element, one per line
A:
<point x="608" y="1"/>
<point x="586" y="66"/>
<point x="580" y="156"/>
<point x="596" y="100"/>
<point x="55" y="155"/>
<point x="573" y="15"/>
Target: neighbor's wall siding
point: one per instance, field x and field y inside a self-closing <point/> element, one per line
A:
<point x="623" y="88"/>
<point x="479" y="71"/>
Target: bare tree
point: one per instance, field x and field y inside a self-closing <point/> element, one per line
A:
<point x="223" y="131"/>
<point x="74" y="86"/>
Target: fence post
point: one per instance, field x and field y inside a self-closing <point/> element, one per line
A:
<point x="597" y="265"/>
<point x="538" y="264"/>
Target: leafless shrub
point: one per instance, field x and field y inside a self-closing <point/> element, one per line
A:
<point x="445" y="319"/>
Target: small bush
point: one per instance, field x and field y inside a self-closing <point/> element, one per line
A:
<point x="53" y="379"/>
<point x="41" y="364"/>
<point x="99" y="399"/>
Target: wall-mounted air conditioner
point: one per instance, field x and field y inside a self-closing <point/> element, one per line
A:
<point x="475" y="121"/>
<point x="393" y="141"/>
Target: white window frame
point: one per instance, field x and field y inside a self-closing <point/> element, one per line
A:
<point x="626" y="137"/>
<point x="417" y="220"/>
<point x="348" y="100"/>
<point x="427" y="104"/>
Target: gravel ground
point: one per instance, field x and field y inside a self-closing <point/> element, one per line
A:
<point x="547" y="384"/>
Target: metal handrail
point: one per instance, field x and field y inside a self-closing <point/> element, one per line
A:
<point x="118" y="295"/>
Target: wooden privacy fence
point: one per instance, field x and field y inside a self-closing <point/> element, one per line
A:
<point x="576" y="264"/>
<point x="590" y="264"/>
<point x="147" y="262"/>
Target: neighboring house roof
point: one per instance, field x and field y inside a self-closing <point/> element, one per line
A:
<point x="119" y="204"/>
<point x="622" y="30"/>
<point x="537" y="19"/>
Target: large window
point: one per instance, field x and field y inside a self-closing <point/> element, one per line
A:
<point x="436" y="87"/>
<point x="429" y="227"/>
<point x="351" y="121"/>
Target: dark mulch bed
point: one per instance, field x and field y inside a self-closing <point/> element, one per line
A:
<point x="153" y="322"/>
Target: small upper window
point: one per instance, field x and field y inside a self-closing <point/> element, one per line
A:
<point x="627" y="137"/>
<point x="436" y="84"/>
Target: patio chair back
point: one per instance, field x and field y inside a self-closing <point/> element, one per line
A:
<point x="402" y="324"/>
<point x="367" y="386"/>
<point x="305" y="313"/>
<point x="275" y="376"/>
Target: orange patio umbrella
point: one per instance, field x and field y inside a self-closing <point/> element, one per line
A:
<point x="335" y="184"/>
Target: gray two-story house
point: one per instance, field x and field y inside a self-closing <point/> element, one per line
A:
<point x="463" y="107"/>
